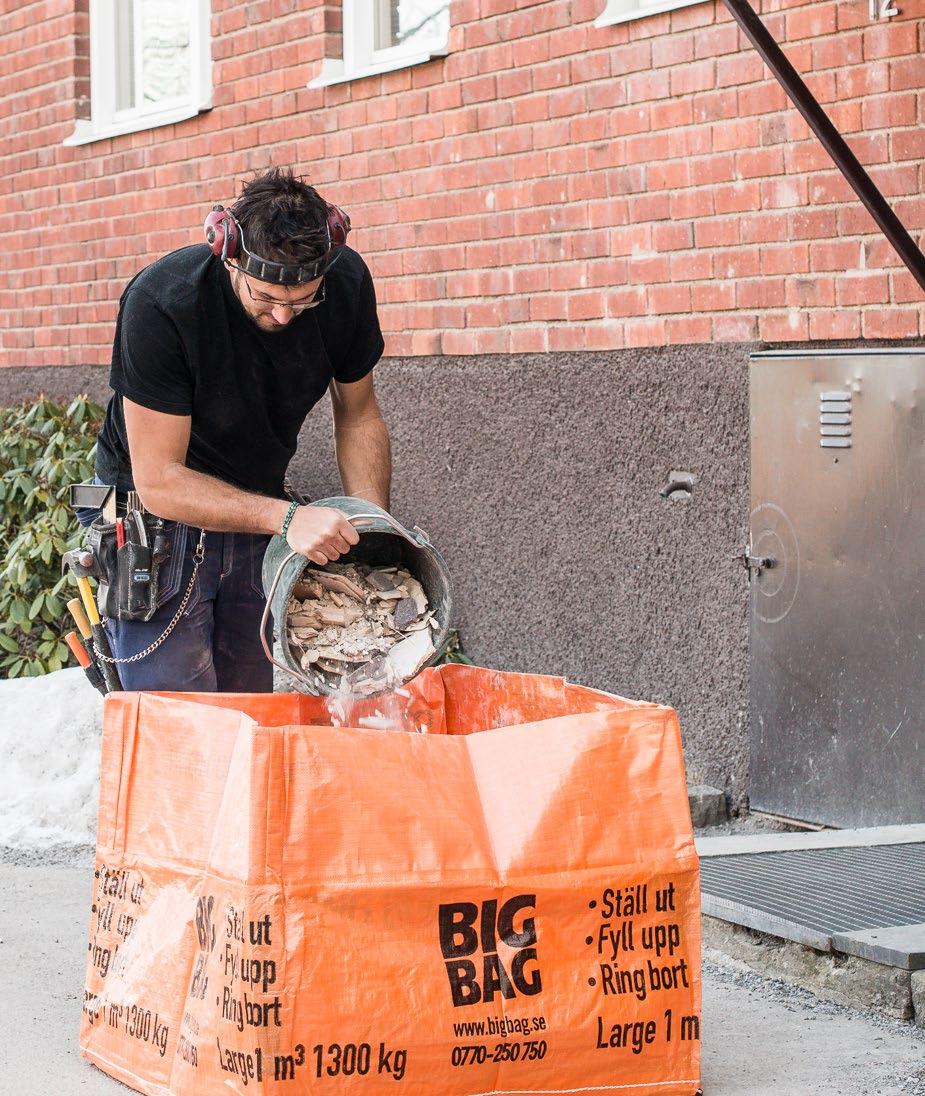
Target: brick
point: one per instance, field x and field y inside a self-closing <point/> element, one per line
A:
<point x="626" y="301"/>
<point x="688" y="329"/>
<point x="690" y="265"/>
<point x="784" y="192"/>
<point x="866" y="80"/>
<point x="786" y="259"/>
<point x="737" y="197"/>
<point x="760" y="293"/>
<point x="905" y="73"/>
<point x="644" y="332"/>
<point x="837" y="52"/>
<point x="812" y="21"/>
<point x="813" y="292"/>
<point x="716" y="232"/>
<point x="904" y="289"/>
<point x="737" y="263"/>
<point x="668" y="299"/>
<point x="784" y="327"/>
<point x="770" y="227"/>
<point x="693" y="78"/>
<point x="890" y="39"/>
<point x="761" y="99"/>
<point x="828" y="187"/>
<point x="889" y="111"/>
<point x="829" y="324"/>
<point x="716" y="41"/>
<point x="673" y="49"/>
<point x="691" y="203"/>
<point x="908" y="144"/>
<point x="862" y="289"/>
<point x="713" y="297"/>
<point x="672" y="236"/>
<point x="878" y="323"/>
<point x="840" y="255"/>
<point x="760" y="163"/>
<point x="646" y="86"/>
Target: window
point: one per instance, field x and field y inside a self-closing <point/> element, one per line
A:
<point x="398" y="34"/>
<point x="621" y="11"/>
<point x="150" y="64"/>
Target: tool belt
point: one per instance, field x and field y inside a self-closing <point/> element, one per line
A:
<point x="128" y="576"/>
<point x="126" y="562"/>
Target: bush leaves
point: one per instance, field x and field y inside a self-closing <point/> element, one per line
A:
<point x="43" y="448"/>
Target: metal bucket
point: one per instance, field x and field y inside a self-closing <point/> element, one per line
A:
<point x="383" y="541"/>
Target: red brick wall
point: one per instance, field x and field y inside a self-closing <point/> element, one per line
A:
<point x="547" y="186"/>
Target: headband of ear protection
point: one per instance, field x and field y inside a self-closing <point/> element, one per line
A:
<point x="226" y="238"/>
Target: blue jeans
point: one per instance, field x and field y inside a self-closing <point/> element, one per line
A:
<point x="215" y="646"/>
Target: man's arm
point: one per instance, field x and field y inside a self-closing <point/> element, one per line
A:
<point x="361" y="441"/>
<point x="157" y="449"/>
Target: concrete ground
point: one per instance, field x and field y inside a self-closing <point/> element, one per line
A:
<point x="761" y="1038"/>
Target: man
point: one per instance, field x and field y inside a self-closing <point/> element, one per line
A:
<point x="221" y="350"/>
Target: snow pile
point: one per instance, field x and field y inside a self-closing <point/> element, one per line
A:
<point x="49" y="760"/>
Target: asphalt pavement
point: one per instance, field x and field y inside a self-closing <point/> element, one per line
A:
<point x="760" y="1038"/>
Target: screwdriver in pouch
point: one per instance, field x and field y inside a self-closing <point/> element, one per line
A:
<point x="100" y="639"/>
<point x="79" y="652"/>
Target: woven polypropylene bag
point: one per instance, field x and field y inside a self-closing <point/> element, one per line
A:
<point x="501" y="897"/>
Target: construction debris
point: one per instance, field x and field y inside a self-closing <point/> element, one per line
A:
<point x="359" y="628"/>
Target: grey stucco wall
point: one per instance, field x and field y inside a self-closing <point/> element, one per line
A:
<point x="538" y="476"/>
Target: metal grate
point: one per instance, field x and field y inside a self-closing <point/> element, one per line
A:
<point x="821" y="896"/>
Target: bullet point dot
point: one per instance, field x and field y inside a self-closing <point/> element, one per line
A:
<point x="589" y="939"/>
<point x="89" y="947"/>
<point x="592" y="904"/>
<point x="93" y="909"/>
<point x="592" y="981"/>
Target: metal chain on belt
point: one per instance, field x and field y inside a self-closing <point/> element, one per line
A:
<point x="152" y="647"/>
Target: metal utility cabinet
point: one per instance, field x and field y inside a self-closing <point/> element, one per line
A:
<point x="837" y="585"/>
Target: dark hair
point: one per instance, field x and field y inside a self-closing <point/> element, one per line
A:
<point x="283" y="219"/>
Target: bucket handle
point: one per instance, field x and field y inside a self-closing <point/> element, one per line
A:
<point x="420" y="539"/>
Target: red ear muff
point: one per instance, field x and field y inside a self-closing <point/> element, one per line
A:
<point x="222" y="232"/>
<point x="338" y="225"/>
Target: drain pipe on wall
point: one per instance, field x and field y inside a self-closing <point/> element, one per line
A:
<point x="833" y="142"/>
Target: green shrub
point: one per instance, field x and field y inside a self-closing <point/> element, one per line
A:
<point x="43" y="448"/>
<point x="453" y="651"/>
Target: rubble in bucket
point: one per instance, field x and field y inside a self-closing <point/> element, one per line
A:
<point x="363" y="628"/>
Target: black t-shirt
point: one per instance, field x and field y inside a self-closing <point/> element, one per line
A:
<point x="184" y="345"/>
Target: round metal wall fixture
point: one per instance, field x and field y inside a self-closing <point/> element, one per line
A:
<point x="774" y="589"/>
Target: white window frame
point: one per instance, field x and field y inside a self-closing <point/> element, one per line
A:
<point x="105" y="120"/>
<point x="622" y="11"/>
<point x="361" y="58"/>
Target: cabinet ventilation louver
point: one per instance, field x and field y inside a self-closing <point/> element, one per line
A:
<point x="835" y="420"/>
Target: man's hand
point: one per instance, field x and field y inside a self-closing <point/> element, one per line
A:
<point x="321" y="533"/>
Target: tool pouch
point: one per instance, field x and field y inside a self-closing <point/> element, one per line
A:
<point x="128" y="577"/>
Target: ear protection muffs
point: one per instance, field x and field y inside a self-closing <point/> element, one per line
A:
<point x="222" y="232"/>
<point x="226" y="239"/>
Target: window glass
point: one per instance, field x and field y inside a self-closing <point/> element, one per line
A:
<point x="411" y="23"/>
<point x="165" y="50"/>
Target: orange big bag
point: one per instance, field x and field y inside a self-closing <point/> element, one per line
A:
<point x="505" y="903"/>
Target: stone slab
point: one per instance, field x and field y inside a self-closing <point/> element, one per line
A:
<point x="742" y="844"/>
<point x="896" y="945"/>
